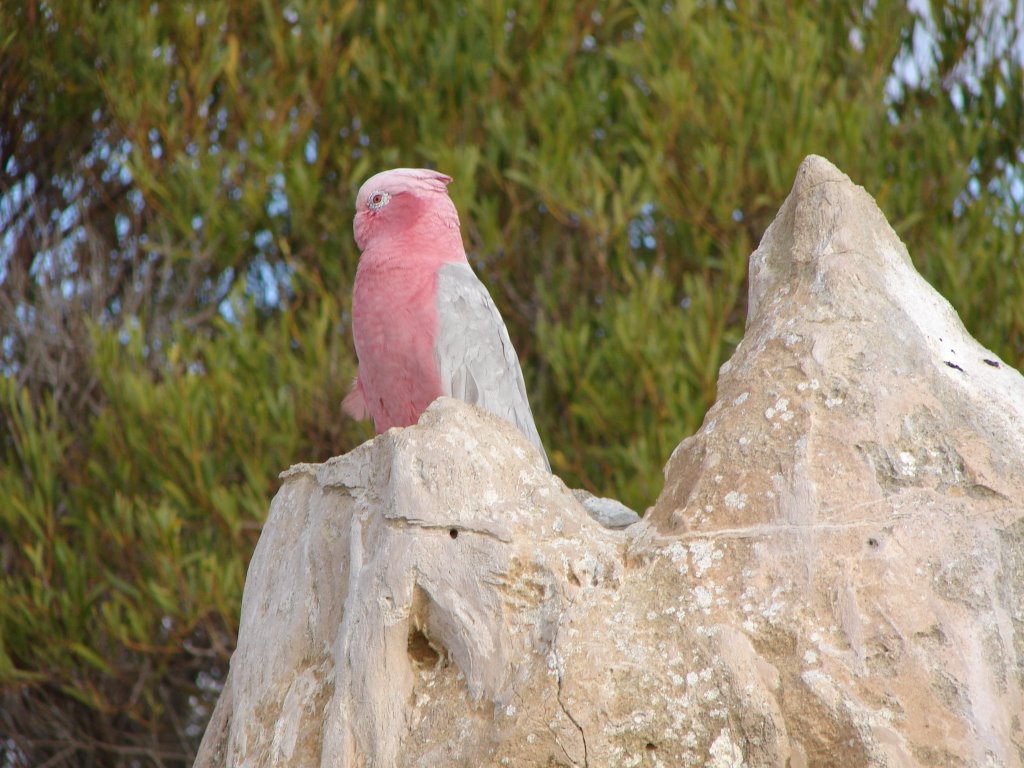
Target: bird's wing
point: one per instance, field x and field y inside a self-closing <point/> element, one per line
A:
<point x="475" y="357"/>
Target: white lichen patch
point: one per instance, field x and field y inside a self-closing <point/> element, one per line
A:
<point x="678" y="553"/>
<point x="704" y="555"/>
<point x="643" y="717"/>
<point x="774" y="608"/>
<point x="703" y="596"/>
<point x="735" y="500"/>
<point x="587" y="569"/>
<point x="724" y="753"/>
<point x="741" y="399"/>
<point x="908" y="464"/>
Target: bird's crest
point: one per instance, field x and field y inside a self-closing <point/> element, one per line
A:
<point x="399" y="180"/>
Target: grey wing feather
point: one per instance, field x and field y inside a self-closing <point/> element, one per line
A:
<point x="474" y="353"/>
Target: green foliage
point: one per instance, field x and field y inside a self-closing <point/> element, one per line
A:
<point x="613" y="371"/>
<point x="125" y="545"/>
<point x="176" y="264"/>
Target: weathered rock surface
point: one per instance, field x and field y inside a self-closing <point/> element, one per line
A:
<point x="833" y="575"/>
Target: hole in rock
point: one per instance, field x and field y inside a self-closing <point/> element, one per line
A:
<point x="421" y="652"/>
<point x="651" y="746"/>
<point x="993" y="363"/>
<point x="453" y="533"/>
<point x="953" y="365"/>
<point x="873" y="542"/>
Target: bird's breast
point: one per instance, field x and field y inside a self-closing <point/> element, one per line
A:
<point x="394" y="322"/>
<point x="392" y="303"/>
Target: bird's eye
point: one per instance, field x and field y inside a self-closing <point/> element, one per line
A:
<point x="378" y="200"/>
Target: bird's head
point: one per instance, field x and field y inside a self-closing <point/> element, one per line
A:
<point x="403" y="202"/>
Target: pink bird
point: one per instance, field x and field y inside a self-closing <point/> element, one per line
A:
<point x="424" y="324"/>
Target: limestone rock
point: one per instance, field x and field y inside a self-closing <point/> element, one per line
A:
<point x="833" y="575"/>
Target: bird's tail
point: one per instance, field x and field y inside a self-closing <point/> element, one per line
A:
<point x="354" y="403"/>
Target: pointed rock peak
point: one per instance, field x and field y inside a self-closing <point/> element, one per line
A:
<point x="846" y="346"/>
<point x="828" y="237"/>
<point x="815" y="170"/>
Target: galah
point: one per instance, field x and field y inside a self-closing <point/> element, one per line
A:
<point x="424" y="325"/>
